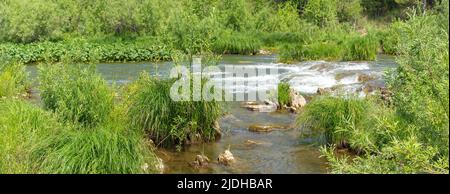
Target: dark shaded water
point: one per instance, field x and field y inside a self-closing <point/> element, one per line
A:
<point x="280" y="151"/>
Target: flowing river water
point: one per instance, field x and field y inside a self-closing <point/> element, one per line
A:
<point x="279" y="151"/>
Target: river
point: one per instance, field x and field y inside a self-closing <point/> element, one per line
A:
<point x="280" y="151"/>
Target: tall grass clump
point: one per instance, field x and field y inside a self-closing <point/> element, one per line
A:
<point x="334" y="116"/>
<point x="22" y="127"/>
<point x="284" y="97"/>
<point x="170" y="122"/>
<point x="76" y="93"/>
<point x="107" y="149"/>
<point x="13" y="79"/>
<point x="236" y="43"/>
<point x="314" y="51"/>
<point x="361" y="48"/>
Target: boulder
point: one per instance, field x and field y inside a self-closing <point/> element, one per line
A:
<point x="386" y="95"/>
<point x="261" y="128"/>
<point x="194" y="138"/>
<point x="200" y="161"/>
<point x="323" y="91"/>
<point x="250" y="142"/>
<point x="365" y="78"/>
<point x="297" y="100"/>
<point x="226" y="158"/>
<point x="217" y="129"/>
<point x="248" y="103"/>
<point x="264" y="52"/>
<point x="261" y="108"/>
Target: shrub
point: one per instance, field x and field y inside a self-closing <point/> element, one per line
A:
<point x="349" y="10"/>
<point x="321" y="12"/>
<point x="76" y="93"/>
<point x="335" y="117"/>
<point x="404" y="156"/>
<point x="22" y="126"/>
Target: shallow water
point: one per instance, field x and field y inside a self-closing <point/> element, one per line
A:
<point x="280" y="151"/>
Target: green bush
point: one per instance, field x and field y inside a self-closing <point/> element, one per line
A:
<point x="22" y="126"/>
<point x="76" y="93"/>
<point x="390" y="38"/>
<point x="413" y="136"/>
<point x="321" y="12"/>
<point x="406" y="156"/>
<point x="169" y="122"/>
<point x="349" y="10"/>
<point x="420" y="83"/>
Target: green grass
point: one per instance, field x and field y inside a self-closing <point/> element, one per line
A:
<point x="13" y="79"/>
<point x="283" y="94"/>
<point x="335" y="117"/>
<point x="166" y="121"/>
<point x="76" y="93"/>
<point x="236" y="43"/>
<point x="332" y="48"/>
<point x="22" y="127"/>
<point x="109" y="149"/>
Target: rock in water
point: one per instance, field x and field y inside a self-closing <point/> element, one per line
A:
<point x="260" y="128"/>
<point x="297" y="100"/>
<point x="201" y="161"/>
<point x="322" y="91"/>
<point x="365" y="78"/>
<point x="217" y="129"/>
<point x="261" y="108"/>
<point x="226" y="158"/>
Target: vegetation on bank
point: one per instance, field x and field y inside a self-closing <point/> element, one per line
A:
<point x="76" y="93"/>
<point x="411" y="135"/>
<point x="81" y="50"/>
<point x="142" y="30"/>
<point x="284" y="97"/>
<point x="13" y="79"/>
<point x="80" y="129"/>
<point x="85" y="127"/>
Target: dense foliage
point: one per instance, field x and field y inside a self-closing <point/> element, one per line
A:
<point x="143" y="30"/>
<point x="411" y="135"/>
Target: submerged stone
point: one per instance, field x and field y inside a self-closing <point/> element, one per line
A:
<point x="200" y="161"/>
<point x="226" y="158"/>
